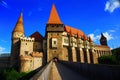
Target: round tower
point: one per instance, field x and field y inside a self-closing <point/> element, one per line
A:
<point x="18" y="32"/>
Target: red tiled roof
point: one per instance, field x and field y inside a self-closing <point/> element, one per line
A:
<point x="38" y="37"/>
<point x="80" y="33"/>
<point x="73" y="31"/>
<point x="54" y="17"/>
<point x="85" y="37"/>
<point x="19" y="25"/>
<point x="67" y="28"/>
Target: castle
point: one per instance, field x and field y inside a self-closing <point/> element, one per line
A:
<point x="60" y="41"/>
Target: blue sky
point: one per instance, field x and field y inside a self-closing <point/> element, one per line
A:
<point x="90" y="16"/>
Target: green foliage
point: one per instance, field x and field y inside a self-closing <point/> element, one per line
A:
<point x="116" y="52"/>
<point x="11" y="74"/>
<point x="107" y="59"/>
<point x="113" y="59"/>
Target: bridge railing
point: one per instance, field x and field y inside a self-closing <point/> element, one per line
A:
<point x="44" y="73"/>
<point x="95" y="71"/>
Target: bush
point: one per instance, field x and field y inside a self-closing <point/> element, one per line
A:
<point x="11" y="74"/>
<point x="108" y="59"/>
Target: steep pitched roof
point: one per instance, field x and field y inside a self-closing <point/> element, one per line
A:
<point x="73" y="31"/>
<point x="102" y="36"/>
<point x="38" y="37"/>
<point x="19" y="25"/>
<point x="54" y="17"/>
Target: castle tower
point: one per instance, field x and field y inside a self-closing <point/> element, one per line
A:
<point x="54" y="23"/>
<point x="54" y="29"/>
<point x="18" y="32"/>
<point x="103" y="40"/>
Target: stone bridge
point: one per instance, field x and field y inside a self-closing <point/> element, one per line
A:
<point x="64" y="70"/>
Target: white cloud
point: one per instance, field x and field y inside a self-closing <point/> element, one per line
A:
<point x="2" y="49"/>
<point x="108" y="36"/>
<point x="111" y="30"/>
<point x="93" y="37"/>
<point x="111" y="5"/>
<point x="3" y="3"/>
<point x="97" y="37"/>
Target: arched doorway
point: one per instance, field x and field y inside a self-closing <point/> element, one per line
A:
<point x="55" y="59"/>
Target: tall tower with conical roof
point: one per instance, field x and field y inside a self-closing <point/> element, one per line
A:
<point x="103" y="40"/>
<point x="54" y="23"/>
<point x="54" y="29"/>
<point x="18" y="32"/>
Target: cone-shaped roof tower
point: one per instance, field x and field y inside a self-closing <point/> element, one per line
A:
<point x="54" y="17"/>
<point x="19" y="25"/>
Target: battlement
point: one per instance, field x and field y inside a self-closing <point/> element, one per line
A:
<point x="27" y="39"/>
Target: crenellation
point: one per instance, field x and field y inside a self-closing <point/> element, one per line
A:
<point x="27" y="39"/>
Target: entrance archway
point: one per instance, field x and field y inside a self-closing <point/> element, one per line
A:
<point x="55" y="59"/>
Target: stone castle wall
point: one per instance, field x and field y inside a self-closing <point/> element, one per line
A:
<point x="57" y="50"/>
<point x="30" y="62"/>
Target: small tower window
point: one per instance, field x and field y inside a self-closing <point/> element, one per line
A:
<point x="26" y="43"/>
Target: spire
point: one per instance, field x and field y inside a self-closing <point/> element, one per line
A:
<point x="101" y="33"/>
<point x="103" y="40"/>
<point x="54" y="17"/>
<point x="102" y="36"/>
<point x="19" y="25"/>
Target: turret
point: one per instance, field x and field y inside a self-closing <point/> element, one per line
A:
<point x="103" y="40"/>
<point x="17" y="32"/>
